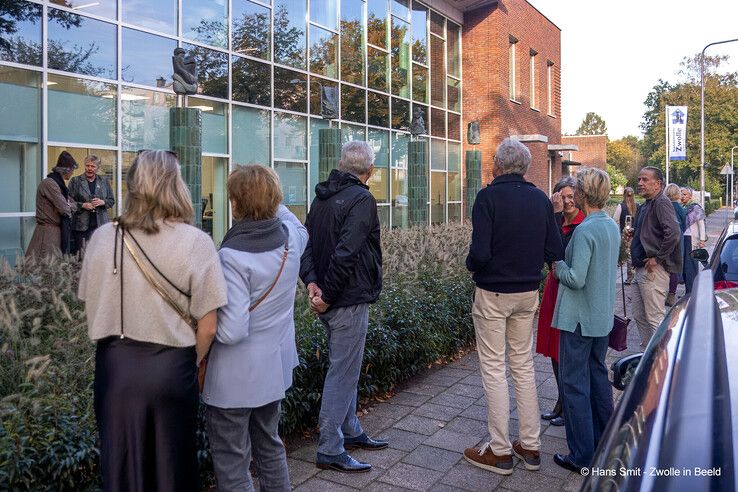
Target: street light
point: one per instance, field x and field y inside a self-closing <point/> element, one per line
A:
<point x="702" y="118"/>
<point x="732" y="169"/>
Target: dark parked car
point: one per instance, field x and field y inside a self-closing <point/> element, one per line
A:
<point x="676" y="422"/>
<point x="724" y="260"/>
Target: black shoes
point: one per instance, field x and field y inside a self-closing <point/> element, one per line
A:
<point x="343" y="463"/>
<point x="557" y="421"/>
<point x="550" y="415"/>
<point x="364" y="442"/>
<point x="566" y="462"/>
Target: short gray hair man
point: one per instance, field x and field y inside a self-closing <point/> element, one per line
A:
<point x="511" y="157"/>
<point x="357" y="158"/>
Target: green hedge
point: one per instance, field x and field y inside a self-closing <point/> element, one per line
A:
<point x="712" y="205"/>
<point x="48" y="439"/>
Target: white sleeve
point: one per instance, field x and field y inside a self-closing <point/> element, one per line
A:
<point x="618" y="211"/>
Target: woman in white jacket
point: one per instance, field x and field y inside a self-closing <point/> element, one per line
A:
<point x="251" y="362"/>
<point x="694" y="236"/>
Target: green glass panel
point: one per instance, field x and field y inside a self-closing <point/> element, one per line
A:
<point x="290" y="136"/>
<point x="89" y="105"/>
<point x="214" y="124"/>
<point x="400" y="57"/>
<point x="293" y="176"/>
<point x="251" y="144"/>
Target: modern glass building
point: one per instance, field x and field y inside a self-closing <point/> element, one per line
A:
<point x="94" y="77"/>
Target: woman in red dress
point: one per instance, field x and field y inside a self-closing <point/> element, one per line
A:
<point x="547" y="342"/>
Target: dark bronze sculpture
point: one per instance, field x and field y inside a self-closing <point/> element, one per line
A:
<point x="472" y="133"/>
<point x="328" y="102"/>
<point x="417" y="125"/>
<point x="185" y="73"/>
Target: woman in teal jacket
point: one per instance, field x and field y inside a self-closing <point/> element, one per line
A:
<point x="584" y="314"/>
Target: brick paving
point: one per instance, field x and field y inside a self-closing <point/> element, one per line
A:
<point x="440" y="412"/>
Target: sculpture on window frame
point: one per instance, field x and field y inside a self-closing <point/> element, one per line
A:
<point x="185" y="73"/>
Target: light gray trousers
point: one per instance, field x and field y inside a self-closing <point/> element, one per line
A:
<point x="346" y="329"/>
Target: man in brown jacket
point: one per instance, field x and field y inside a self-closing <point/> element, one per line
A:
<point x="54" y="208"/>
<point x="656" y="252"/>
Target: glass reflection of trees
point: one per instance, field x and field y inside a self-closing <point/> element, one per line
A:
<point x="323" y="52"/>
<point x="212" y="70"/>
<point x="212" y="27"/>
<point x="400" y="57"/>
<point x="352" y="41"/>
<point x="290" y="90"/>
<point x="378" y="23"/>
<point x="251" y="81"/>
<point x="289" y="33"/>
<point x="20" y="32"/>
<point x="378" y="105"/>
<point x="377" y="73"/>
<point x="352" y="104"/>
<point x="251" y="24"/>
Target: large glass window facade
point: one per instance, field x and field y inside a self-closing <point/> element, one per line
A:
<point x="105" y="87"/>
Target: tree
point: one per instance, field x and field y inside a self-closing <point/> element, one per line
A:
<point x="617" y="179"/>
<point x="625" y="155"/>
<point x="592" y="124"/>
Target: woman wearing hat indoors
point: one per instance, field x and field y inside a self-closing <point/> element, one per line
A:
<point x="54" y="209"/>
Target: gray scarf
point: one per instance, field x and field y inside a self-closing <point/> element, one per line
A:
<point x="256" y="236"/>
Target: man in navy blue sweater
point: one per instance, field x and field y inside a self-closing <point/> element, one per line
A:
<point x="514" y="233"/>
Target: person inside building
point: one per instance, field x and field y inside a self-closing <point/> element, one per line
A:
<point x="152" y="284"/>
<point x="251" y="362"/>
<point x="673" y="193"/>
<point x="54" y="209"/>
<point x="626" y="208"/>
<point x="569" y="216"/>
<point x="93" y="196"/>
<point x="584" y="314"/>
<point x="695" y="236"/>
<point x="506" y="262"/>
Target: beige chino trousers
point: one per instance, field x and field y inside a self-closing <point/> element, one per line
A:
<point x="506" y="321"/>
<point x="648" y="299"/>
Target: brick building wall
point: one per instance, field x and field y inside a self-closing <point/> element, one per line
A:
<point x="486" y="40"/>
<point x="592" y="149"/>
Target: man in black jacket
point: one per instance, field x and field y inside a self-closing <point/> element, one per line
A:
<point x="342" y="269"/>
<point x="514" y="232"/>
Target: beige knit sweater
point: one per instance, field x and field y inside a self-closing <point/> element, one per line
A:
<point x="183" y="253"/>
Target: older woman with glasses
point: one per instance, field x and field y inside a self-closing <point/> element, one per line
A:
<point x="584" y="316"/>
<point x="152" y="284"/>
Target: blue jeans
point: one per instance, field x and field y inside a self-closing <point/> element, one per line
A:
<point x="346" y="329"/>
<point x="690" y="266"/>
<point x="236" y="433"/>
<point x="586" y="392"/>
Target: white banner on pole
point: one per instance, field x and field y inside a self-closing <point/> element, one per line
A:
<point x="676" y="128"/>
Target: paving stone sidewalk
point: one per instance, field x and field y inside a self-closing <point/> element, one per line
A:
<point x="440" y="412"/>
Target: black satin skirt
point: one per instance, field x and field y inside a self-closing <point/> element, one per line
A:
<point x="146" y="407"/>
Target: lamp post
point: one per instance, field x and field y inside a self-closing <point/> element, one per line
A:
<point x="702" y="118"/>
<point x="732" y="169"/>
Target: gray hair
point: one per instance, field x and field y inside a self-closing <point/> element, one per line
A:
<point x="356" y="158"/>
<point x="688" y="190"/>
<point x="512" y="157"/>
<point x="672" y="192"/>
<point x="94" y="159"/>
<point x="565" y="182"/>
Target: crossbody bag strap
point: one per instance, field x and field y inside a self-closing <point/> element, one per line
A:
<point x="256" y="303"/>
<point x="622" y="287"/>
<point x="186" y="317"/>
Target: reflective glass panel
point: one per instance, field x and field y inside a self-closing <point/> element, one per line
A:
<point x="20" y="25"/>
<point x="206" y="21"/>
<point x="454" y="126"/>
<point x="215" y="204"/>
<point x="81" y="45"/>
<point x="438" y="123"/>
<point x="437" y="23"/>
<point x="160" y="15"/>
<point x="147" y="59"/>
<point x="438" y="72"/>
<point x="293" y="176"/>
<point x="420" y="83"/>
<point x="145" y="121"/>
<point x="400" y="114"/>
<point x="399" y="179"/>
<point x="82" y="111"/>
<point x="251" y="81"/>
<point x="290" y="90"/>
<point x="251" y="143"/>
<point x="401" y="8"/>
<point x="323" y="52"/>
<point x="315" y="93"/>
<point x="352" y="104"/>
<point x="324" y="12"/>
<point x="453" y="45"/>
<point x="315" y="126"/>
<point x="214" y="124"/>
<point x="454" y="212"/>
<point x="15" y="234"/>
<point x="212" y="70"/>
<point x="352" y="132"/>
<point x="378" y="106"/>
<point x="378" y="70"/>
<point x="289" y="32"/>
<point x="103" y="8"/>
<point x="438" y="154"/>
<point x="400" y="57"/>
<point x="379" y="182"/>
<point x="250" y="32"/>
<point x="378" y="22"/>
<point x="420" y="33"/>
<point x="290" y="136"/>
<point x="352" y="41"/>
<point x="454" y="172"/>
<point x="438" y="198"/>
<point x="454" y="94"/>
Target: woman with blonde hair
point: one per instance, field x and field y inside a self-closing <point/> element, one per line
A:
<point x="584" y="314"/>
<point x="674" y="193"/>
<point x="626" y="208"/>
<point x="152" y="284"/>
<point x="250" y="365"/>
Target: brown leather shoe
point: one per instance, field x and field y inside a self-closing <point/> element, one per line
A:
<point x="531" y="459"/>
<point x="486" y="459"/>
